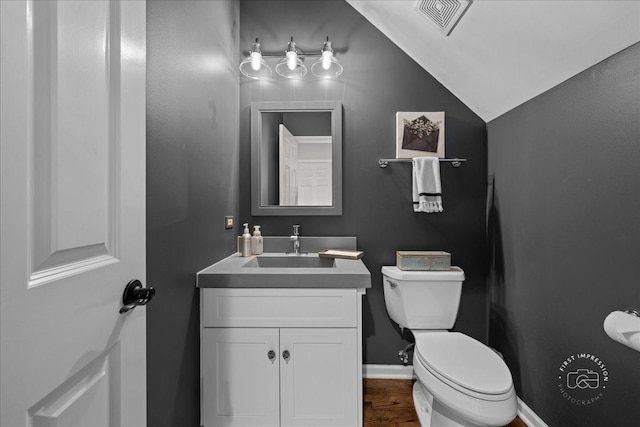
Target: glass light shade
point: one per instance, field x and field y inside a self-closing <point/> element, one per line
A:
<point x="254" y="66"/>
<point x="291" y="66"/>
<point x="327" y="66"/>
<point x="284" y="68"/>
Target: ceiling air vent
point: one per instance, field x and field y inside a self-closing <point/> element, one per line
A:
<point x="444" y="14"/>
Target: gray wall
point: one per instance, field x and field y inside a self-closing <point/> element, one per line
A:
<point x="308" y="123"/>
<point x="564" y="234"/>
<point x="378" y="81"/>
<point x="192" y="183"/>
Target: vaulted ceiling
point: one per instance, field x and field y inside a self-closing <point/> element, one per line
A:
<point x="505" y="52"/>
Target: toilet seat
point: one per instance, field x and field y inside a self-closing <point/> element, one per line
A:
<point x="464" y="364"/>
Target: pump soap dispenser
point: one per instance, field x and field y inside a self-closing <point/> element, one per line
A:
<point x="256" y="241"/>
<point x="245" y="241"/>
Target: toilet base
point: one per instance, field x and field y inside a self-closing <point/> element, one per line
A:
<point x="432" y="413"/>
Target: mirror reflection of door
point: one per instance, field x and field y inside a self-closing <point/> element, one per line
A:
<point x="288" y="161"/>
<point x="305" y="169"/>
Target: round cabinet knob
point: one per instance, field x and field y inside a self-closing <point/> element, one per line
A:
<point x="271" y="354"/>
<point x="286" y="355"/>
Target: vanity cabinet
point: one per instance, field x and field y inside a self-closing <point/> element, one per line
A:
<point x="281" y="357"/>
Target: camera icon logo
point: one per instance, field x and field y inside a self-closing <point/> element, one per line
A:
<point x="582" y="379"/>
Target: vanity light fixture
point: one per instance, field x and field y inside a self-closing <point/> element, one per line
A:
<point x="292" y="64"/>
<point x="254" y="66"/>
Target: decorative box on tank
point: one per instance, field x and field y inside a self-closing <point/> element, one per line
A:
<point x="423" y="260"/>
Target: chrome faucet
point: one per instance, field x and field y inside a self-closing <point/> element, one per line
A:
<point x="295" y="239"/>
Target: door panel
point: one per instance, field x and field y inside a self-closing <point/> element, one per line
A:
<point x="72" y="133"/>
<point x="72" y="57"/>
<point x="319" y="379"/>
<point x="315" y="183"/>
<point x="83" y="399"/>
<point x="75" y="103"/>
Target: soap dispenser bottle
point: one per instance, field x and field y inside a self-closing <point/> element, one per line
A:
<point x="245" y="241"/>
<point x="256" y="241"/>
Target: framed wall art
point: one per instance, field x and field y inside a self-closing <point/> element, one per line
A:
<point x="419" y="134"/>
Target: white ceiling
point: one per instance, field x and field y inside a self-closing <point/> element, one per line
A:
<point x="505" y="52"/>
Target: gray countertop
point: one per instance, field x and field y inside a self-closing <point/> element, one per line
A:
<point x="232" y="272"/>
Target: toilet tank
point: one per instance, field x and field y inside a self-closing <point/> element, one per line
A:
<point x="422" y="299"/>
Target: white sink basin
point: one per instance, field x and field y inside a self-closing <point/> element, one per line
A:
<point x="290" y="262"/>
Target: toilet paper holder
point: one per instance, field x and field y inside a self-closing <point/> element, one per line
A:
<point x="623" y="326"/>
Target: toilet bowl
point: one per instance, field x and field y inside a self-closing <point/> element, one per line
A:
<point x="465" y="377"/>
<point x="460" y="381"/>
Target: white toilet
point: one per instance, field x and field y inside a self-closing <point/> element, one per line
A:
<point x="460" y="381"/>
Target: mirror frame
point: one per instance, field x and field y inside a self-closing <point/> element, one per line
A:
<point x="257" y="108"/>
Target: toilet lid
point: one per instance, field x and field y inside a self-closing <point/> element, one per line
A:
<point x="464" y="361"/>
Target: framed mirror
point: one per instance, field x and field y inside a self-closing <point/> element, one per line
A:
<point x="296" y="158"/>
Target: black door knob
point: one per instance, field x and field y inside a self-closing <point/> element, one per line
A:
<point x="135" y="294"/>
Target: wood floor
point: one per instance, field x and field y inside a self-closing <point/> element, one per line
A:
<point x="389" y="403"/>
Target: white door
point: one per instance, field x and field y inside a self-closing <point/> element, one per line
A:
<point x="319" y="378"/>
<point x="240" y="377"/>
<point x="288" y="165"/>
<point x="72" y="218"/>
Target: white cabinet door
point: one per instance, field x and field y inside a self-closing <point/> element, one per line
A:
<point x="72" y="212"/>
<point x="319" y="380"/>
<point x="240" y="377"/>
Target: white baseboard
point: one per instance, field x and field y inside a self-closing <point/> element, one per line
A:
<point x="399" y="372"/>
<point x="388" y="372"/>
<point x="530" y="418"/>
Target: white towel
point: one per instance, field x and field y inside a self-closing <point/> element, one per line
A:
<point x="427" y="190"/>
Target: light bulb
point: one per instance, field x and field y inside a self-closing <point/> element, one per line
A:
<point x="292" y="60"/>
<point x="326" y="59"/>
<point x="256" y="59"/>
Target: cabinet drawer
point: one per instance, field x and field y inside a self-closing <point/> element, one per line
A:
<point x="257" y="307"/>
